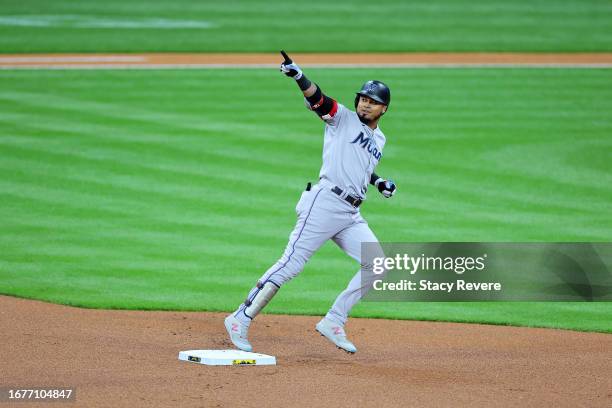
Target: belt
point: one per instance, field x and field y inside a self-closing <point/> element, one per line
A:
<point x="354" y="201"/>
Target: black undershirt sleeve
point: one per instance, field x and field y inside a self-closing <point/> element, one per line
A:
<point x="373" y="178"/>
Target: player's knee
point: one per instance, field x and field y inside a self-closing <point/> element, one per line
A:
<point x="292" y="269"/>
<point x="367" y="265"/>
<point x="372" y="256"/>
<point x="287" y="268"/>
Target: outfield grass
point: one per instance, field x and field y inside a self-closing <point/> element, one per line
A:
<point x="176" y="189"/>
<point x="314" y="26"/>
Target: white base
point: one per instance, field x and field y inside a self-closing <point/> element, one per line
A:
<point x="226" y="357"/>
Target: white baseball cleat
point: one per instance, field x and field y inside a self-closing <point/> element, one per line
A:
<point x="238" y="333"/>
<point x="334" y="332"/>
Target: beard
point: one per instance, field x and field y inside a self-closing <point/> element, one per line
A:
<point x="367" y="121"/>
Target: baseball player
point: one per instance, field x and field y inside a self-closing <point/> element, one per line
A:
<point x="352" y="147"/>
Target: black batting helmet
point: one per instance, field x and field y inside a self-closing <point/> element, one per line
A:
<point x="375" y="90"/>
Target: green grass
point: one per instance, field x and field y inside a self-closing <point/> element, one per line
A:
<point x="176" y="189"/>
<point x="315" y="26"/>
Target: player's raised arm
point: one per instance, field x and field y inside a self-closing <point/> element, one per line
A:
<point x="322" y="104"/>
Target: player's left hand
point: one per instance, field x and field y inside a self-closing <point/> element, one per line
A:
<point x="289" y="68"/>
<point x="386" y="187"/>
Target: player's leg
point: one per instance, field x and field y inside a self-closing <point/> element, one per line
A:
<point x="350" y="240"/>
<point x="314" y="226"/>
<point x="332" y="325"/>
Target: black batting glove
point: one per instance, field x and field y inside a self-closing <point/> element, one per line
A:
<point x="289" y="68"/>
<point x="386" y="187"/>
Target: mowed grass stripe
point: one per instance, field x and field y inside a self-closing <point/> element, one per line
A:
<point x="62" y="197"/>
<point x="155" y="122"/>
<point x="124" y="168"/>
<point x="561" y="195"/>
<point x="168" y="228"/>
<point x="139" y="182"/>
<point x="63" y="191"/>
<point x="66" y="210"/>
<point x="172" y="197"/>
<point x="201" y="143"/>
<point x="254" y="26"/>
<point x="88" y="189"/>
<point x="582" y="181"/>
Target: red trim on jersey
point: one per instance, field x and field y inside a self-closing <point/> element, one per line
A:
<point x="332" y="112"/>
<point x="334" y="109"/>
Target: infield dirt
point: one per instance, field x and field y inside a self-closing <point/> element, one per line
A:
<point x="130" y="358"/>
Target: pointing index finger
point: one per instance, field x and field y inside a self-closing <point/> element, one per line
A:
<point x="287" y="59"/>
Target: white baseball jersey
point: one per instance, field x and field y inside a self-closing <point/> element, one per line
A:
<point x="351" y="151"/>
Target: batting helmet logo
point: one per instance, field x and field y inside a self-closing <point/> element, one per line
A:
<point x="369" y="88"/>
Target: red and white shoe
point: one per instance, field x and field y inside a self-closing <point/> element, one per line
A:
<point x="334" y="332"/>
<point x="238" y="333"/>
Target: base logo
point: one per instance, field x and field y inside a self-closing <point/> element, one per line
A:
<point x="243" y="362"/>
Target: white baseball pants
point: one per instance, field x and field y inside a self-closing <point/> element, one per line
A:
<point x="322" y="215"/>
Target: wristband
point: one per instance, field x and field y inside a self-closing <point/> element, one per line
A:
<point x="303" y="82"/>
